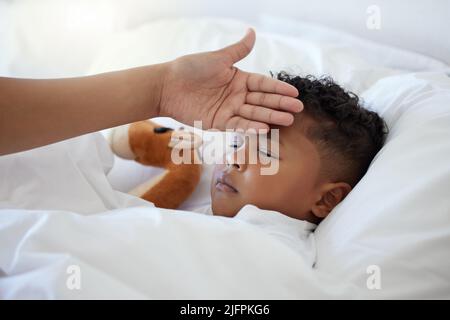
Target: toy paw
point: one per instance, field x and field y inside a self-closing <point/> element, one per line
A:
<point x="119" y="142"/>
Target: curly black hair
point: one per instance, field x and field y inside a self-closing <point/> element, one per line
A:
<point x="347" y="135"/>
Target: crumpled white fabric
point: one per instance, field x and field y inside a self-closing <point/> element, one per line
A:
<point x="59" y="211"/>
<point x="69" y="175"/>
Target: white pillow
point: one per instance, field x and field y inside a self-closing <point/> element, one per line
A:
<point x="377" y="54"/>
<point x="396" y="222"/>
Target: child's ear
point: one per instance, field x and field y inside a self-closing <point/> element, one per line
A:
<point x="330" y="196"/>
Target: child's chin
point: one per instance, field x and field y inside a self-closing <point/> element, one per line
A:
<point x="224" y="208"/>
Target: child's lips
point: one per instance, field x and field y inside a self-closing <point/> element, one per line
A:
<point x="223" y="184"/>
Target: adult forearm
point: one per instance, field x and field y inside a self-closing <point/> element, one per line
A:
<point x="39" y="112"/>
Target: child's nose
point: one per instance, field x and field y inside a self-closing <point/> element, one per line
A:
<point x="237" y="160"/>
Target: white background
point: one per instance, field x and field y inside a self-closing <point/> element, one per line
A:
<point x="49" y="38"/>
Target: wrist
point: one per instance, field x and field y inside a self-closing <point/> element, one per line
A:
<point x="149" y="84"/>
<point x="158" y="75"/>
<point x="164" y="71"/>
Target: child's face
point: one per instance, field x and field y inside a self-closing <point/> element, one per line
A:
<point x="293" y="190"/>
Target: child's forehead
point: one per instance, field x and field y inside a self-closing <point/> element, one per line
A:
<point x="284" y="134"/>
<point x="302" y="122"/>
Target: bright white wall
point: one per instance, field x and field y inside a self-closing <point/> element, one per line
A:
<point x="60" y="37"/>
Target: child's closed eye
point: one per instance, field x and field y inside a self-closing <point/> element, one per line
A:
<point x="267" y="153"/>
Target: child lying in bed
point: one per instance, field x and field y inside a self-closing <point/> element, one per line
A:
<point x="322" y="156"/>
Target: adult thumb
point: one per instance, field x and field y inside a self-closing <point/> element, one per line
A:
<point x="242" y="48"/>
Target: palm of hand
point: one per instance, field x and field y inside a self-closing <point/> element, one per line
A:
<point x="207" y="87"/>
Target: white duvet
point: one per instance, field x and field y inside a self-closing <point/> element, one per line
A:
<point x="65" y="232"/>
<point x="60" y="218"/>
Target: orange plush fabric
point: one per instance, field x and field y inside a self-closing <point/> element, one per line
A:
<point x="154" y="145"/>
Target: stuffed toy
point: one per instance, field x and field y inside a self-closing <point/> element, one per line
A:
<point x="154" y="145"/>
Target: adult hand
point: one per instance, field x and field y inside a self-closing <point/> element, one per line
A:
<point x="206" y="86"/>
